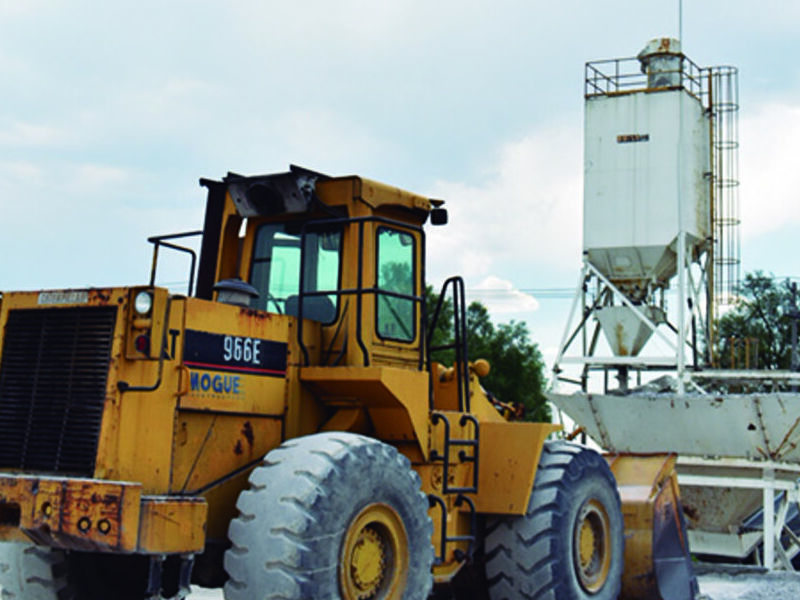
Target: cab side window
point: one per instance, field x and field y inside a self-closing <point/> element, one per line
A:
<point x="395" y="315"/>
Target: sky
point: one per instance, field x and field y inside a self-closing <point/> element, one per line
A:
<point x="112" y="111"/>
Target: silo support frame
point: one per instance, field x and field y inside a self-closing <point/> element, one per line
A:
<point x="695" y="321"/>
<point x="604" y="297"/>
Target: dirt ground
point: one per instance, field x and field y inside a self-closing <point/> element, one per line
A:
<point x="721" y="584"/>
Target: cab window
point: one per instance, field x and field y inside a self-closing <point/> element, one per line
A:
<point x="395" y="316"/>
<point x="275" y="270"/>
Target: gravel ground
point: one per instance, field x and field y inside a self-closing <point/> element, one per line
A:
<point x="720" y="584"/>
<point x="724" y="584"/>
<point x="750" y="586"/>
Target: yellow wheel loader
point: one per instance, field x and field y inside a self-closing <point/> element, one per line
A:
<point x="282" y="431"/>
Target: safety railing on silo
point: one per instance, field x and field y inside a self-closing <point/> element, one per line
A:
<point x="624" y="76"/>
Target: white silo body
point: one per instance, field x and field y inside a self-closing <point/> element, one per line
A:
<point x="645" y="172"/>
<point x="646" y="179"/>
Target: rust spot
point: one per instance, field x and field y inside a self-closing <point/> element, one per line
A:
<point x="247" y="432"/>
<point x="107" y="499"/>
<point x="237" y="449"/>
<point x="99" y="296"/>
<point x="251" y="312"/>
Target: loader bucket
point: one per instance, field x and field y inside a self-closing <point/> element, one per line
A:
<point x="657" y="561"/>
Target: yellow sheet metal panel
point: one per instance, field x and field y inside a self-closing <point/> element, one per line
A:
<point x="396" y="398"/>
<point x="172" y="525"/>
<point x="136" y="433"/>
<point x="509" y="456"/>
<point x="208" y="446"/>
<point x="221" y="500"/>
<point x="648" y="487"/>
<point x="237" y="358"/>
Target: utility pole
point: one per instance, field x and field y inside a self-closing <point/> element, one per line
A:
<point x="794" y="315"/>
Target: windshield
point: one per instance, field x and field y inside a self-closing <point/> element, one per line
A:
<point x="275" y="270"/>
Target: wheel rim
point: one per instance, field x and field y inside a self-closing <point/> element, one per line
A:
<point x="374" y="561"/>
<point x="592" y="546"/>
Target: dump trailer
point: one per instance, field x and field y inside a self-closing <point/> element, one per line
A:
<point x="283" y="431"/>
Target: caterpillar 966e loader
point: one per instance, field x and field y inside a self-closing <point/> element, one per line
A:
<point x="282" y="430"/>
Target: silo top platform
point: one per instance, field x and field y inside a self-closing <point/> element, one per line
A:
<point x="659" y="66"/>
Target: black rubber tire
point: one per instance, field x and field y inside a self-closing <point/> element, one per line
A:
<point x="29" y="572"/>
<point x="288" y="537"/>
<point x="531" y="557"/>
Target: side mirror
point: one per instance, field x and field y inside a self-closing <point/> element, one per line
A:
<point x="439" y="216"/>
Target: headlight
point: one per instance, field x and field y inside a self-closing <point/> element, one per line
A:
<point x="143" y="303"/>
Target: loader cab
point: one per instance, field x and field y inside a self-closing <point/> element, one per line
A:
<point x="345" y="255"/>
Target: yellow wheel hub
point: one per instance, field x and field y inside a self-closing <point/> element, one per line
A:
<point x="592" y="546"/>
<point x="374" y="559"/>
<point x="368" y="561"/>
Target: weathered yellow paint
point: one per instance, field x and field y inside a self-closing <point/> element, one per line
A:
<point x="221" y="500"/>
<point x="647" y="484"/>
<point x="257" y="393"/>
<point x="509" y="456"/>
<point x="73" y="513"/>
<point x="457" y="522"/>
<point x="396" y="399"/>
<point x="106" y="516"/>
<point x="339" y="191"/>
<point x="172" y="525"/>
<point x="209" y="446"/>
<point x="136" y="434"/>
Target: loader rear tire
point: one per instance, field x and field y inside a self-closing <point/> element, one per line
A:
<point x="569" y="545"/>
<point x="337" y="516"/>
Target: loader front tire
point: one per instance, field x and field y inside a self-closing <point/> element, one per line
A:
<point x="569" y="545"/>
<point x="29" y="572"/>
<point x="336" y="516"/>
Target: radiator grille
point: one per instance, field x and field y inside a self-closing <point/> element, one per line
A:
<point x="53" y="377"/>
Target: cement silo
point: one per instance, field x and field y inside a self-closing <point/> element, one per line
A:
<point x="652" y="217"/>
<point x="645" y="181"/>
<point x="660" y="255"/>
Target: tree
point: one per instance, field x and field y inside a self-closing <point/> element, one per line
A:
<point x="756" y="333"/>
<point x="517" y="368"/>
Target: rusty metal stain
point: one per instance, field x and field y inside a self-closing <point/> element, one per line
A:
<point x="237" y="449"/>
<point x="247" y="432"/>
<point x="620" y="334"/>
<point x="100" y="296"/>
<point x="256" y="314"/>
<point x="778" y="454"/>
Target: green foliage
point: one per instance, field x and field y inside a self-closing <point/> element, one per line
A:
<point x="761" y="316"/>
<point x="517" y="368"/>
<point x="443" y="331"/>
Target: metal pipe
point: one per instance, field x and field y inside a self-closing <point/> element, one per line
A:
<point x="769" y="517"/>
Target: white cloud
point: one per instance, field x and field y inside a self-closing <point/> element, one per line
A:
<point x="526" y="211"/>
<point x="325" y="140"/>
<point x="502" y="298"/>
<point x="30" y="134"/>
<point x="97" y="177"/>
<point x="770" y="179"/>
<point x="18" y="169"/>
